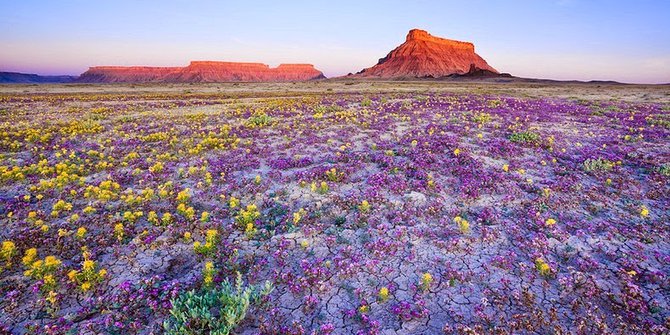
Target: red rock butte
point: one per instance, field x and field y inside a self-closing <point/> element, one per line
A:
<point x="201" y="72"/>
<point x="424" y="55"/>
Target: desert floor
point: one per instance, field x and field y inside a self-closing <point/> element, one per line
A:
<point x="369" y="207"/>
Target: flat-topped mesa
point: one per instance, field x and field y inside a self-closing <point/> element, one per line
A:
<point x="423" y="55"/>
<point x="202" y="71"/>
<point x="125" y="74"/>
<point x="226" y="65"/>
<point x="422" y="35"/>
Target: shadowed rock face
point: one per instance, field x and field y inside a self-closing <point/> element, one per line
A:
<point x="29" y="78"/>
<point x="201" y="72"/>
<point x="423" y="55"/>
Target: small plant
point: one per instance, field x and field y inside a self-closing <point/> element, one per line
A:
<point x="81" y="232"/>
<point x="297" y="216"/>
<point x="89" y="275"/>
<point x="258" y="120"/>
<point x="166" y="219"/>
<point x="383" y="294"/>
<point x="333" y="175"/>
<point x="248" y="215"/>
<point x="119" y="231"/>
<point x="525" y="137"/>
<point x="41" y="270"/>
<point x="186" y="211"/>
<point x="208" y="274"/>
<point x="644" y="211"/>
<point x="542" y="267"/>
<point x="215" y="311"/>
<point x="366" y="102"/>
<point x="7" y="252"/>
<point x="340" y="220"/>
<point x="463" y="224"/>
<point x="323" y="188"/>
<point x="364" y="207"/>
<point x="426" y="280"/>
<point x="209" y="247"/>
<point x="184" y="196"/>
<point x="599" y="164"/>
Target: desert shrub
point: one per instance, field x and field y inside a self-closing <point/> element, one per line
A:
<point x="366" y="102"/>
<point x="526" y="137"/>
<point x="258" y="120"/>
<point x="482" y="118"/>
<point x="599" y="164"/>
<point x="664" y="170"/>
<point x="215" y="311"/>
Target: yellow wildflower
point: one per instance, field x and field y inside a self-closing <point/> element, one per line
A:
<point x="81" y="232"/>
<point x="29" y="256"/>
<point x="72" y="274"/>
<point x="426" y="280"/>
<point x="644" y="211"/>
<point x="383" y="293"/>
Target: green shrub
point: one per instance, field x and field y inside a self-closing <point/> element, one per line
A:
<point x="525" y="137"/>
<point x="215" y="311"/>
<point x="482" y="118"/>
<point x="664" y="170"/>
<point x="600" y="164"/>
<point x="366" y="102"/>
<point x="258" y="120"/>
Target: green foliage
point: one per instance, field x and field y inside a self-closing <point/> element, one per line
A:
<point x="482" y="118"/>
<point x="366" y="102"/>
<point x="214" y="311"/>
<point x="599" y="164"/>
<point x="494" y="103"/>
<point x="659" y="120"/>
<point x="340" y="220"/>
<point x="258" y="120"/>
<point x="527" y="137"/>
<point x="664" y="170"/>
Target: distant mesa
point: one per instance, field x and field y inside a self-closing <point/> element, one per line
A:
<point x="28" y="78"/>
<point x="201" y="72"/>
<point x="420" y="56"/>
<point x="426" y="56"/>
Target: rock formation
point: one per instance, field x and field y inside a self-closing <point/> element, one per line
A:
<point x="29" y="78"/>
<point x="423" y="55"/>
<point x="201" y="72"/>
<point x="126" y="74"/>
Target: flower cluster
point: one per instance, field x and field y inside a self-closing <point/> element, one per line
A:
<point x="89" y="275"/>
<point x="209" y="247"/>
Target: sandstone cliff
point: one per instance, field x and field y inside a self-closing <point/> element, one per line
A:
<point x="201" y="72"/>
<point x="423" y="55"/>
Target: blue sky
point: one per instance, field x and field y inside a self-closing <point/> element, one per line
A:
<point x="561" y="39"/>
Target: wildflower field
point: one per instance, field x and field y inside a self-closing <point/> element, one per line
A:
<point x="333" y="211"/>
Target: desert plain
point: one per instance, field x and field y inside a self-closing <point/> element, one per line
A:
<point x="338" y="206"/>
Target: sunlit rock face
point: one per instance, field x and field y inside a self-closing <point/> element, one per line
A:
<point x="423" y="55"/>
<point x="202" y="72"/>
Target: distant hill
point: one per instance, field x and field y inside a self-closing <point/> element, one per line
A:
<point x="201" y="72"/>
<point x="29" y="78"/>
<point x="426" y="56"/>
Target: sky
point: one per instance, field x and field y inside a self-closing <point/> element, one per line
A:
<point x="627" y="41"/>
